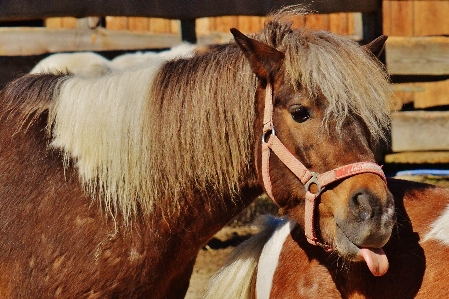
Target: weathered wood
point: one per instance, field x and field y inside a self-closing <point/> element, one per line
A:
<point x="317" y="22"/>
<point x="422" y="94"/>
<point x="398" y="18"/>
<point x="117" y="23"/>
<point x="432" y="157"/>
<point x="430" y="18"/>
<point x="138" y="24"/>
<point x="340" y="23"/>
<point x="174" y="9"/>
<point x="420" y="131"/>
<point x="34" y="41"/>
<point x="249" y="24"/>
<point x="415" y="17"/>
<point x="418" y="55"/>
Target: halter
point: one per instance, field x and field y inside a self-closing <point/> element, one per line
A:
<point x="271" y="143"/>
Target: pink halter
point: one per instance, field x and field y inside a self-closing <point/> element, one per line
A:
<point x="270" y="142"/>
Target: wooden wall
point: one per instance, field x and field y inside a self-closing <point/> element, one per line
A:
<point x="340" y="23"/>
<point x="418" y="52"/>
<point x="416" y="17"/>
<point x="403" y="18"/>
<point x="418" y="46"/>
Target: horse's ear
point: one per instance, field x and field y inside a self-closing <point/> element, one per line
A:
<point x="265" y="60"/>
<point x="376" y="46"/>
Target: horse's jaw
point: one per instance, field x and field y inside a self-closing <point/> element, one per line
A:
<point x="375" y="258"/>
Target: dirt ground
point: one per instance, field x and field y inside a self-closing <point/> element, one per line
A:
<point x="213" y="256"/>
<point x="207" y="264"/>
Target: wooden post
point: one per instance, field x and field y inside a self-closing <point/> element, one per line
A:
<point x="188" y="33"/>
<point x="372" y="27"/>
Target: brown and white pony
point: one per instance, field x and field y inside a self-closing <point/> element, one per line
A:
<point x="280" y="263"/>
<point x="110" y="185"/>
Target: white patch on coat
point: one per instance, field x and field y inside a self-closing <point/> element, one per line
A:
<point x="439" y="229"/>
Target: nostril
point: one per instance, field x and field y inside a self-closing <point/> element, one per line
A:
<point x="361" y="206"/>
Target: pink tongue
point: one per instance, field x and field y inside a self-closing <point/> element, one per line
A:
<point x="376" y="260"/>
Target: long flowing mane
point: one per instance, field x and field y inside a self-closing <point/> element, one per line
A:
<point x="157" y="134"/>
<point x="152" y="136"/>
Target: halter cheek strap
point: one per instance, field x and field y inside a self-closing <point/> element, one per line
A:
<point x="271" y="143"/>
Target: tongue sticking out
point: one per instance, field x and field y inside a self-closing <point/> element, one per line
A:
<point x="376" y="260"/>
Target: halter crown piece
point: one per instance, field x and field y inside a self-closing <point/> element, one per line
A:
<point x="271" y="143"/>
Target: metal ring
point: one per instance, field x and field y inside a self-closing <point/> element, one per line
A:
<point x="267" y="134"/>
<point x="311" y="181"/>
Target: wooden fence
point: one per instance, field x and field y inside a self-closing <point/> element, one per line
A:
<point x="340" y="23"/>
<point x="418" y="60"/>
<point x="143" y="24"/>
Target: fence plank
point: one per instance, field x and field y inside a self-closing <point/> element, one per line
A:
<point x="175" y="26"/>
<point x="249" y="24"/>
<point x="35" y="41"/>
<point x="159" y="25"/>
<point x="138" y="24"/>
<point x="69" y="22"/>
<point x="410" y="131"/>
<point x="422" y="94"/>
<point x="398" y="21"/>
<point x="223" y="24"/>
<point x="339" y="23"/>
<point x="117" y="23"/>
<point x="318" y="22"/>
<point x="417" y="55"/>
<point x="386" y="17"/>
<point x="53" y="23"/>
<point x="203" y="26"/>
<point x="431" y="18"/>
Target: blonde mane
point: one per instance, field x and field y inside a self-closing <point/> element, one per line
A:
<point x="153" y="136"/>
<point x="352" y="81"/>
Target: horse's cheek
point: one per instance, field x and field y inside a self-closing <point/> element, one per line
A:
<point x="326" y="221"/>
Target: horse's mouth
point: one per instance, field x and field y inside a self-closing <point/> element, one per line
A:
<point x="375" y="258"/>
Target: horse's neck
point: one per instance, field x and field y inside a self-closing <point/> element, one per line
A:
<point x="203" y="216"/>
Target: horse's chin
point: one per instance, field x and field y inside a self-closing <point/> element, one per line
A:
<point x="375" y="258"/>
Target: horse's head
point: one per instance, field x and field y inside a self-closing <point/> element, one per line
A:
<point x="310" y="138"/>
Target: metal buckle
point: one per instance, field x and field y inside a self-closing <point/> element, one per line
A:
<point x="313" y="181"/>
<point x="268" y="133"/>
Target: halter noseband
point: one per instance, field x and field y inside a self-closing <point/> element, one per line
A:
<point x="270" y="142"/>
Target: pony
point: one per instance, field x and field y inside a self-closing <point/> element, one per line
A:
<point x="90" y="64"/>
<point x="279" y="263"/>
<point x="111" y="185"/>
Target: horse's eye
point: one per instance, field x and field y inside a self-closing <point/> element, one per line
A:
<point x="299" y="113"/>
